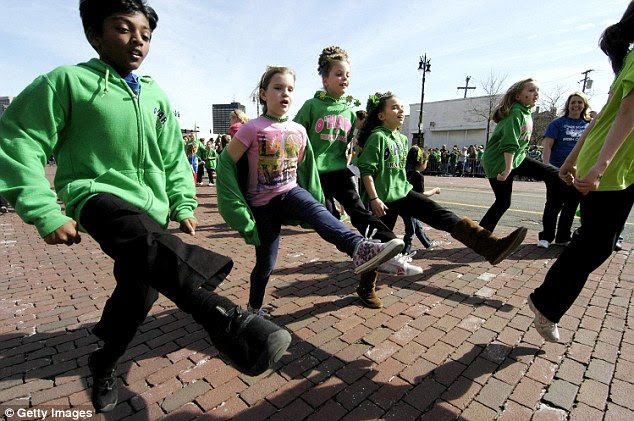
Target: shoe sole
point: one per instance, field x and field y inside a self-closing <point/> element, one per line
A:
<point x="535" y="321"/>
<point x="511" y="248"/>
<point x="392" y="248"/>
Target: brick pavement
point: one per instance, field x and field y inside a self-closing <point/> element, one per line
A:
<point x="454" y="342"/>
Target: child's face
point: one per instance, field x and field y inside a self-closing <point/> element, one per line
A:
<point x="336" y="82"/>
<point x="278" y="95"/>
<point x="124" y="41"/>
<point x="393" y="113"/>
<point x="529" y="95"/>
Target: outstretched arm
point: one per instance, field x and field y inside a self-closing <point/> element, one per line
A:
<point x="621" y="128"/>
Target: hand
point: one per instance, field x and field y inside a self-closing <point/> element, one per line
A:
<point x="503" y="175"/>
<point x="379" y="208"/>
<point x="436" y="190"/>
<point x="66" y="234"/>
<point x="188" y="226"/>
<point x="568" y="172"/>
<point x="590" y="182"/>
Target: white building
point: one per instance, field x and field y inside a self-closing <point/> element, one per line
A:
<point x="460" y="122"/>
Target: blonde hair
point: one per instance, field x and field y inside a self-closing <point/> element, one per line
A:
<point x="266" y="79"/>
<point x="585" y="113"/>
<point x="502" y="110"/>
<point x="239" y="115"/>
<point x="328" y="56"/>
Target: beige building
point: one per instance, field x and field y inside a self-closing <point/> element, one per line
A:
<point x="460" y="122"/>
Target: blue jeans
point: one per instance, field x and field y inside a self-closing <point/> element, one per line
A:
<point x="414" y="226"/>
<point x="296" y="204"/>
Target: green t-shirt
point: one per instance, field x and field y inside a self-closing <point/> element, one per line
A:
<point x="619" y="175"/>
<point x="383" y="157"/>
<point x="329" y="123"/>
<point x="210" y="164"/>
<point x="511" y="135"/>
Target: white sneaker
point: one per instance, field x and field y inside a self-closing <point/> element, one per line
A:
<point x="543" y="244"/>
<point x="547" y="329"/>
<point x="399" y="266"/>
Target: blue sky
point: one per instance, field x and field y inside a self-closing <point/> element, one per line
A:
<point x="208" y="51"/>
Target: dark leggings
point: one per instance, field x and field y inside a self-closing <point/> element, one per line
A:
<point x="503" y="190"/>
<point x="603" y="215"/>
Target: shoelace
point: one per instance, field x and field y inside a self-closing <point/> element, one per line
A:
<point x="371" y="236"/>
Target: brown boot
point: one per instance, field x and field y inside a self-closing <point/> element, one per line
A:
<point x="486" y="244"/>
<point x="365" y="290"/>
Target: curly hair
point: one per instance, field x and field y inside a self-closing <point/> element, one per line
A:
<point x="616" y="39"/>
<point x="328" y="56"/>
<point x="502" y="110"/>
<point x="373" y="120"/>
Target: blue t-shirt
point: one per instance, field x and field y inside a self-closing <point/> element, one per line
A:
<point x="566" y="131"/>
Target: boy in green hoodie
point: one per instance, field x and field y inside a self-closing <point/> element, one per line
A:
<point x="122" y="175"/>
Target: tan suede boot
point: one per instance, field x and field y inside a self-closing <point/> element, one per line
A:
<point x="486" y="244"/>
<point x="365" y="290"/>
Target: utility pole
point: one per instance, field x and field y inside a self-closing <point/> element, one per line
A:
<point x="586" y="82"/>
<point x="466" y="86"/>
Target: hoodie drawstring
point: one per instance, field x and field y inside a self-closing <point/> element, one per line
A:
<point x="105" y="89"/>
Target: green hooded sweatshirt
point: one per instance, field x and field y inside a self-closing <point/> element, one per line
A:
<point x="383" y="157"/>
<point x="232" y="204"/>
<point x="104" y="139"/>
<point x="329" y="123"/>
<point x="511" y="135"/>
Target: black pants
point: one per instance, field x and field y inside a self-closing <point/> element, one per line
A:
<point x="201" y="173"/>
<point x="147" y="259"/>
<point x="603" y="215"/>
<point x="503" y="190"/>
<point x="340" y="185"/>
<point x="210" y="174"/>
<point x="3" y="202"/>
<point x="565" y="205"/>
<point x="415" y="205"/>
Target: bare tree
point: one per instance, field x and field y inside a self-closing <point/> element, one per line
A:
<point x="550" y="101"/>
<point x="492" y="86"/>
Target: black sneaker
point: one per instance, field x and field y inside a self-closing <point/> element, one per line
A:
<point x="251" y="343"/>
<point x="104" y="386"/>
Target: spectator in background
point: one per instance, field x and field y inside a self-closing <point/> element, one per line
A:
<point x="561" y="136"/>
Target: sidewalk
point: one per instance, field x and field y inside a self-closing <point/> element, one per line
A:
<point x="453" y="342"/>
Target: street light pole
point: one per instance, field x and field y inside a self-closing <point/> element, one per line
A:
<point x="425" y="65"/>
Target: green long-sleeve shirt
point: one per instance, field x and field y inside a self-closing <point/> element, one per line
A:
<point x="511" y="135"/>
<point x="383" y="157"/>
<point x="329" y="124"/>
<point x="104" y="138"/>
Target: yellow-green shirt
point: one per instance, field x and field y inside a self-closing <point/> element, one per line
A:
<point x="619" y="175"/>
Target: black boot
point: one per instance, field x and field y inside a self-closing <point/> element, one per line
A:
<point x="251" y="343"/>
<point x="104" y="382"/>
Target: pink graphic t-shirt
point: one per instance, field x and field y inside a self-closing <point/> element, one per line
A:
<point x="273" y="151"/>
